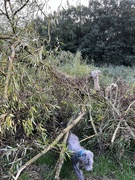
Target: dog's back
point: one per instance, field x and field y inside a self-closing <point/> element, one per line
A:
<point x="73" y="143"/>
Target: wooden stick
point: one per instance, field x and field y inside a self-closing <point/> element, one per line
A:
<point x="60" y="162"/>
<point x="115" y="132"/>
<point x="89" y="137"/>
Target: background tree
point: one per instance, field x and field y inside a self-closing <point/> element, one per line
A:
<point x="103" y="32"/>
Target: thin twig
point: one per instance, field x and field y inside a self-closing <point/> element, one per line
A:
<point x="21" y="7"/>
<point x="92" y="122"/>
<point x="3" y="37"/>
<point x="89" y="137"/>
<point x="48" y="20"/>
<point x="131" y="132"/>
<point x="6" y="11"/>
<point x="115" y="132"/>
<point x="11" y="20"/>
<point x="129" y="107"/>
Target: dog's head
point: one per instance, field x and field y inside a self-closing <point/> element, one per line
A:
<point x="86" y="159"/>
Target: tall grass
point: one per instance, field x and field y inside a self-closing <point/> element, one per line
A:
<point x="120" y="72"/>
<point x="75" y="65"/>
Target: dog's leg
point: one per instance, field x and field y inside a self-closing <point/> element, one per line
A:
<point x="78" y="172"/>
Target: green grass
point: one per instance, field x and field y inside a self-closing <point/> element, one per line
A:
<point x="74" y="65"/>
<point x="119" y="72"/>
<point x="50" y="159"/>
<point x="107" y="168"/>
<point x="24" y="176"/>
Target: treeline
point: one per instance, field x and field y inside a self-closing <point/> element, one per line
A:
<point x="104" y="31"/>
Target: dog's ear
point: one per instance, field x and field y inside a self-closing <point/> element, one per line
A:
<point x="91" y="154"/>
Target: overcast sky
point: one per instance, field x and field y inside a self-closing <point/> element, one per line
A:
<point x="54" y="4"/>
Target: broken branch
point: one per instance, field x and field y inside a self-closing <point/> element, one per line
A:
<point x="62" y="154"/>
<point x="10" y="65"/>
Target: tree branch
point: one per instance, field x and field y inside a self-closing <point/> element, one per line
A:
<point x="51" y="145"/>
<point x="61" y="157"/>
<point x="62" y="154"/>
<point x="21" y="7"/>
<point x="10" y="65"/>
<point x="8" y="17"/>
<point x="2" y="13"/>
<point x="3" y="37"/>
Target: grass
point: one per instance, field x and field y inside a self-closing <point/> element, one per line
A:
<point x="122" y="72"/>
<point x="50" y="159"/>
<point x="74" y="65"/>
<point x="24" y="176"/>
<point x="105" y="168"/>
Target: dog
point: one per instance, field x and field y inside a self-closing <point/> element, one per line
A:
<point x="81" y="157"/>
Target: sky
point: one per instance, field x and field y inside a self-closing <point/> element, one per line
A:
<point x="52" y="5"/>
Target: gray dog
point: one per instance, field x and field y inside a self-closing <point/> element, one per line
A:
<point x="81" y="158"/>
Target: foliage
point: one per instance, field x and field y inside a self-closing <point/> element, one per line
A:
<point x="103" y="32"/>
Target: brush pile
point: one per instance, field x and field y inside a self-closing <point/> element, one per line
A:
<point x="41" y="100"/>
